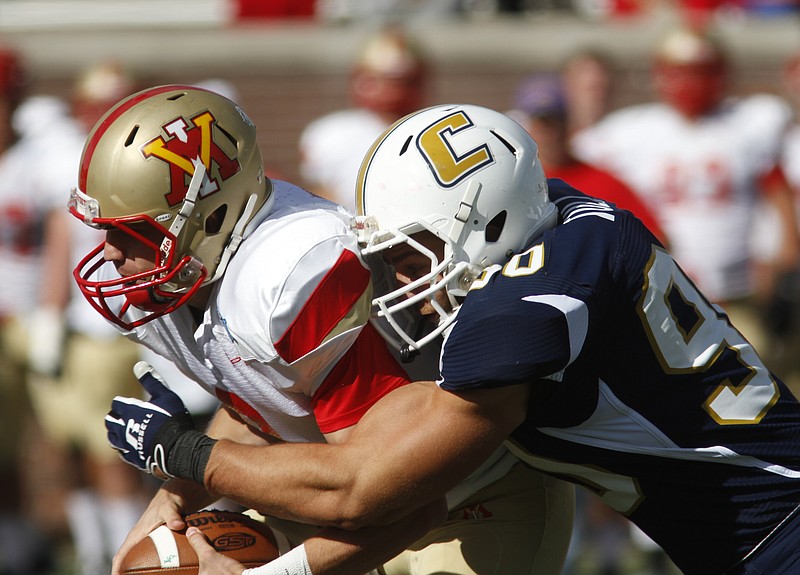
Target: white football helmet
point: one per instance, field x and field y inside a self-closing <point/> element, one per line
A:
<point x="179" y="164"/>
<point x="467" y="174"/>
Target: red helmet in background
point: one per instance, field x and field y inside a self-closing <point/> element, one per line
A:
<point x="389" y="75"/>
<point x="690" y="72"/>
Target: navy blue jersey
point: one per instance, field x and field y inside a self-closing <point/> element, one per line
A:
<point x="642" y="391"/>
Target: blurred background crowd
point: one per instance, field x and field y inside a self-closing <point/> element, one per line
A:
<point x="686" y="112"/>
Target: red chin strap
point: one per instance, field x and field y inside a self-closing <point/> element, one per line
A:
<point x="114" y="297"/>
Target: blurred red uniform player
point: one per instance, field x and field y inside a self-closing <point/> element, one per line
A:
<point x="705" y="162"/>
<point x="388" y="80"/>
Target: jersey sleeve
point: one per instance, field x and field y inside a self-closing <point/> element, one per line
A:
<point x="334" y="303"/>
<point x="296" y="296"/>
<point x="303" y="314"/>
<point x="530" y="319"/>
<point x="492" y="343"/>
<point x="330" y="345"/>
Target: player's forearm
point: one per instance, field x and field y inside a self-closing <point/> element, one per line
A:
<point x="413" y="446"/>
<point x="294" y="483"/>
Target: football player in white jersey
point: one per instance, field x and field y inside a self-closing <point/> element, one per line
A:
<point x="703" y="162"/>
<point x="257" y="289"/>
<point x="389" y="79"/>
<point x="588" y="351"/>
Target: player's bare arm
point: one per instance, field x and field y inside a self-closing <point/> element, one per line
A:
<point x="410" y="448"/>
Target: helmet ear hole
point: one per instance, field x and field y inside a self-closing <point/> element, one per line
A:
<point x="214" y="222"/>
<point x="495" y="227"/>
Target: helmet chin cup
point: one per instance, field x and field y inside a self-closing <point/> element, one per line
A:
<point x="154" y="298"/>
<point x="148" y="300"/>
<point x="157" y="292"/>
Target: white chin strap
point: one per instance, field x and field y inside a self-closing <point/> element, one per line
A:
<point x="187" y="208"/>
<point x="189" y="201"/>
<point x="236" y="237"/>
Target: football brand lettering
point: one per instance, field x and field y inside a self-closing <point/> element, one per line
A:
<point x="233" y="541"/>
<point x="134" y="434"/>
<point x="207" y="519"/>
<point x="186" y="142"/>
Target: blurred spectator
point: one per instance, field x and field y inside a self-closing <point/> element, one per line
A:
<point x="588" y="80"/>
<point x="704" y="12"/>
<point x="80" y="361"/>
<point x="31" y="196"/>
<point x="541" y="108"/>
<point x="702" y="163"/>
<point x="388" y="81"/>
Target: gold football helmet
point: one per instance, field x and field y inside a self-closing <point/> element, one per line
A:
<point x="179" y="163"/>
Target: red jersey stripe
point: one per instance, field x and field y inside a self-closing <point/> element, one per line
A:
<point x="365" y="373"/>
<point x="331" y="301"/>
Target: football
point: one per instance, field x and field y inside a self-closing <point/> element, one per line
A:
<point x="236" y="535"/>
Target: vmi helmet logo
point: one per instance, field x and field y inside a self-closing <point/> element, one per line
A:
<point x="186" y="143"/>
<point x="233" y="541"/>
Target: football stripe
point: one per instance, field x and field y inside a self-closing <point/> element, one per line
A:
<point x="166" y="547"/>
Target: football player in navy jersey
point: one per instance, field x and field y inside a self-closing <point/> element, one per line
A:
<point x="570" y="334"/>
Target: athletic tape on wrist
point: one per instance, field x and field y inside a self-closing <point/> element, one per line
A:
<point x="295" y="562"/>
<point x="188" y="456"/>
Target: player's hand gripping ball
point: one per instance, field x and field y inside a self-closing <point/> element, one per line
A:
<point x="164" y="551"/>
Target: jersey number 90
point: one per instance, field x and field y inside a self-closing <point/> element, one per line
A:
<point x="689" y="335"/>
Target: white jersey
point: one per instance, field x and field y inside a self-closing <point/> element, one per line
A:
<point x="35" y="176"/>
<point x="292" y="303"/>
<point x="700" y="178"/>
<point x="331" y="150"/>
<point x="767" y="236"/>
